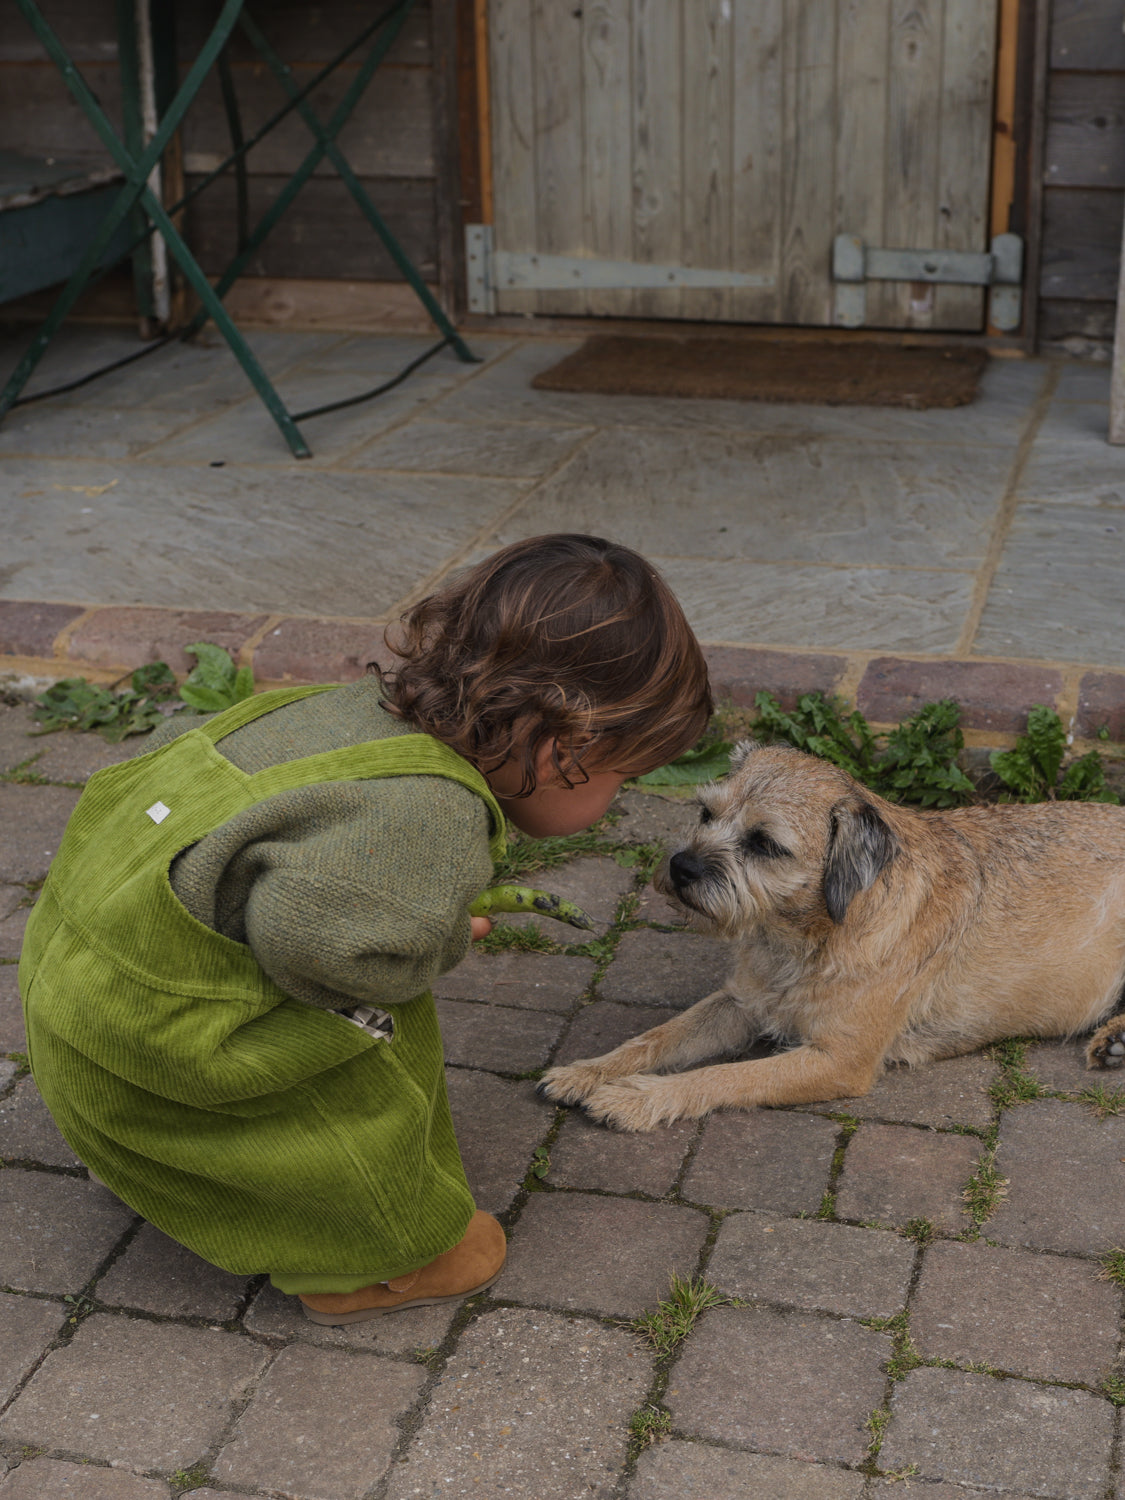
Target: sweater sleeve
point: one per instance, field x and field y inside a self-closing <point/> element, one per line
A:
<point x="366" y="899"/>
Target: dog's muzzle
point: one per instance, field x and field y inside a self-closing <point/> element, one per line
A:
<point x="685" y="868"/>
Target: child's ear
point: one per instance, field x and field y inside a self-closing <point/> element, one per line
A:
<point x="546" y="766"/>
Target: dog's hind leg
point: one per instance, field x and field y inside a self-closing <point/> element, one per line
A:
<point x="713" y="1026"/>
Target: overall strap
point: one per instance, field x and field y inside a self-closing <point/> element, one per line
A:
<point x="400" y="755"/>
<point x="230" y="719"/>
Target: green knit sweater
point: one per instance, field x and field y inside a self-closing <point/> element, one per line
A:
<point x="345" y="892"/>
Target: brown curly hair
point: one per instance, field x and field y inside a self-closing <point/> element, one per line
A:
<point x="570" y="639"/>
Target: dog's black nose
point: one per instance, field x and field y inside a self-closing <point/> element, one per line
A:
<point x="685" y="867"/>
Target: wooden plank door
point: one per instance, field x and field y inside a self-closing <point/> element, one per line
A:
<point x="742" y="135"/>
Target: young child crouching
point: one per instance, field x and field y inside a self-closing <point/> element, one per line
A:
<point x="226" y="979"/>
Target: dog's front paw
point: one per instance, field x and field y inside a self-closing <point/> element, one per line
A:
<point x="572" y="1083"/>
<point x="638" y="1102"/>
<point x="1106" y="1048"/>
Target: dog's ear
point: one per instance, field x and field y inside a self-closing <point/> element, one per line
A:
<point x="741" y="752"/>
<point x="860" y="846"/>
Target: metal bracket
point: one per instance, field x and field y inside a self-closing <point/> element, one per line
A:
<point x="490" y="271"/>
<point x="1001" y="269"/>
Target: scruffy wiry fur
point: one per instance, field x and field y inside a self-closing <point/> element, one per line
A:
<point x="864" y="933"/>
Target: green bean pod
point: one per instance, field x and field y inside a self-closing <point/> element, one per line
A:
<point x="515" y="898"/>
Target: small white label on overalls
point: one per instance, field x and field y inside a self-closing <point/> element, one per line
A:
<point x="157" y="812"/>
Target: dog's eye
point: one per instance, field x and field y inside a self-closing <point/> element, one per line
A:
<point x="705" y="814"/>
<point x="757" y="844"/>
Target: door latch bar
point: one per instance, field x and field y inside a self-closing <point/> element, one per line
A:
<point x="1000" y="269"/>
<point x="490" y="271"/>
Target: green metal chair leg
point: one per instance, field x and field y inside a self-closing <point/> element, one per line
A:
<point x="325" y="137"/>
<point x="137" y="171"/>
<point x="308" y="166"/>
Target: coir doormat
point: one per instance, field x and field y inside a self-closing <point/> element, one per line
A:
<point x="831" y="374"/>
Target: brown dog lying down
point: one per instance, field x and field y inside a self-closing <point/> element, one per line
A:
<point x="865" y="933"/>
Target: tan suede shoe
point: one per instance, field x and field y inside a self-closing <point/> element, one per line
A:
<point x="473" y="1264"/>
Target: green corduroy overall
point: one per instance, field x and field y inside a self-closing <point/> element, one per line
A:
<point x="264" y="1134"/>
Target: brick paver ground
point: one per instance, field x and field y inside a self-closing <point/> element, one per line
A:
<point x="877" y="1332"/>
<point x="884" y="1333"/>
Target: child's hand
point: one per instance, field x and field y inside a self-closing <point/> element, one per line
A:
<point x="480" y="927"/>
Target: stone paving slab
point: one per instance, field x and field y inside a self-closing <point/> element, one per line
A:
<point x="892" y="504"/>
<point x="1065" y="1173"/>
<point x="497" y="1037"/>
<point x="643" y="818"/>
<point x="791" y="1383"/>
<point x="535" y="981"/>
<point x="27" y="1327"/>
<point x="893" y="1174"/>
<point x="159" y="1276"/>
<point x="1002" y="1434"/>
<point x="13" y="927"/>
<point x="276" y="1316"/>
<point x="13" y="1035"/>
<point x="861" y="1273"/>
<point x="769" y="1159"/>
<point x="55" y="1479"/>
<point x="71" y="757"/>
<point x="146" y="1395"/>
<point x="532" y="1406"/>
<point x="603" y="1025"/>
<point x="27" y="1131"/>
<point x="57" y="1230"/>
<point x="941" y="1094"/>
<point x="587" y="1155"/>
<point x="33" y="819"/>
<point x="690" y="1471"/>
<point x="574" y="1252"/>
<point x="498" y="1126"/>
<point x="665" y="968"/>
<point x="496" y="448"/>
<point x="321" y="1425"/>
<point x="1062" y="1066"/>
<point x="1036" y="1315"/>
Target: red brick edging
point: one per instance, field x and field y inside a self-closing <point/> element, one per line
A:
<point x="59" y="640"/>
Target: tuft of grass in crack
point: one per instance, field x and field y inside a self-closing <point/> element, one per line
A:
<point x="528" y="856"/>
<point x="1012" y="1087"/>
<point x="1104" y="1102"/>
<point x="985" y="1189"/>
<point x="191" y="1479"/>
<point x="921" y="1231"/>
<point x="673" y="1318"/>
<point x="651" y="1424"/>
<point x="506" y="938"/>
<point x="1013" y="1084"/>
<point x="1113" y="1389"/>
<point x="904" y="1355"/>
<point x="1113" y="1266"/>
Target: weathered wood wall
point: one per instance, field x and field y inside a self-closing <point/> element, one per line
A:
<point x="1084" y="173"/>
<point x="389" y="140"/>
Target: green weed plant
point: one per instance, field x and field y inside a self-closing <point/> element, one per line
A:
<point x="152" y="696"/>
<point x="915" y="763"/>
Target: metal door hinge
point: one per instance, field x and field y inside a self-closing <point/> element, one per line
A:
<point x="1000" y="268"/>
<point x="490" y="271"/>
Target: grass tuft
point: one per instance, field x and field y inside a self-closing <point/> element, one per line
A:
<point x="673" y="1318"/>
